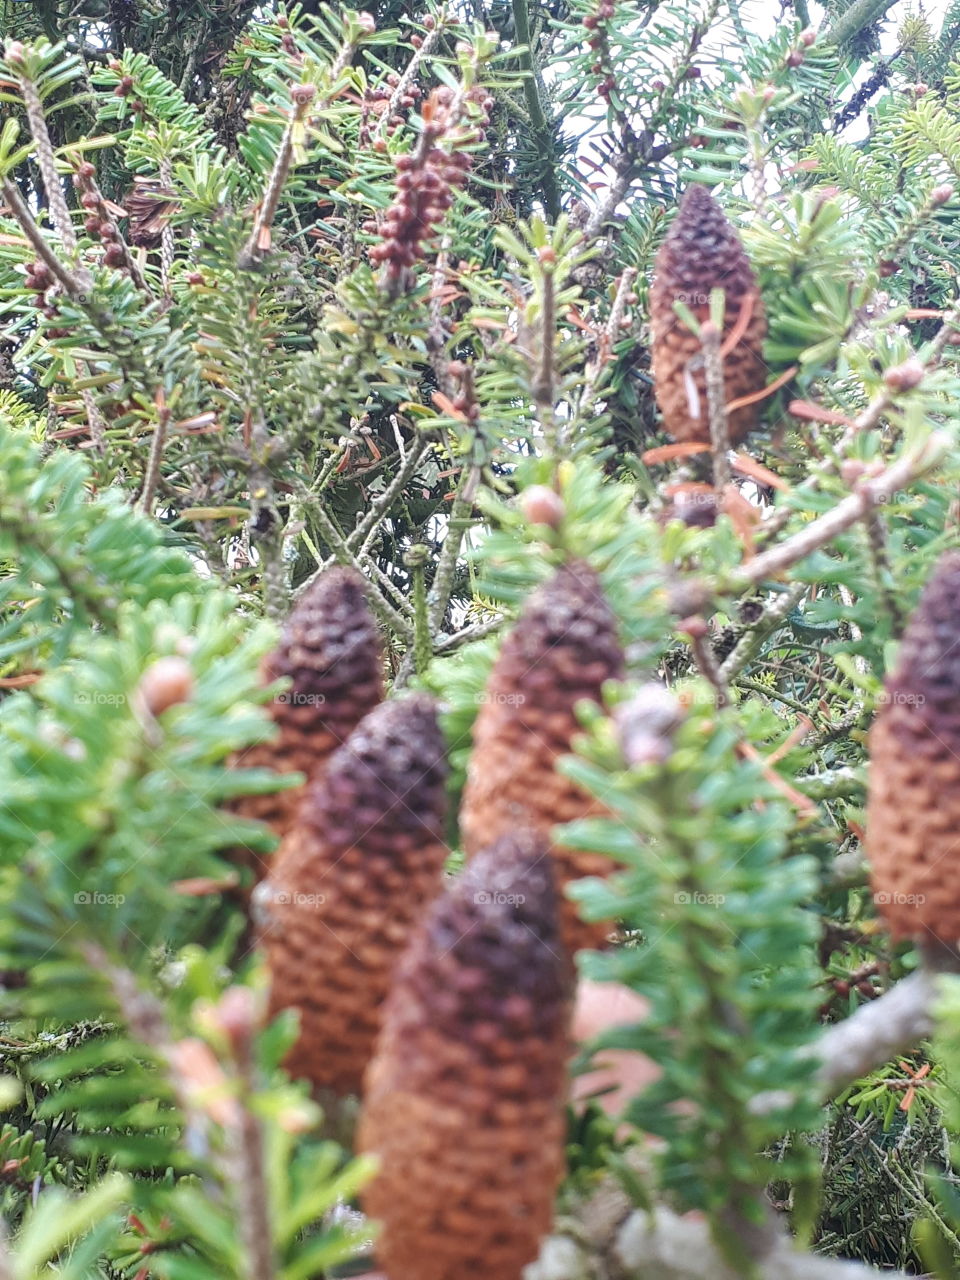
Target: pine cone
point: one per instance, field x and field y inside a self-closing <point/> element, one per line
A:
<point x="913" y="810"/>
<point x="702" y="251"/>
<point x="463" y="1100"/>
<point x="561" y="651"/>
<point x="330" y="649"/>
<point x="349" y="882"/>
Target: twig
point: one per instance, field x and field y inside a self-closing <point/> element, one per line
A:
<point x="540" y="128"/>
<point x="832" y="784"/>
<point x="56" y="201"/>
<point x="258" y="241"/>
<point x="415" y="561"/>
<point x="706" y="659"/>
<point x="360" y="537"/>
<point x="544" y="392"/>
<point x="343" y="555"/>
<point x="773" y="616"/>
<point x="467" y="636"/>
<point x="389" y="587"/>
<point x="249" y="1175"/>
<point x="406" y="79"/>
<point x="882" y="572"/>
<point x="592" y="382"/>
<point x="435" y="334"/>
<point x="853" y="19"/>
<point x="879" y="1030"/>
<point x="264" y="523"/>
<point x="166" y="234"/>
<point x="710" y="339"/>
<point x="662" y="1245"/>
<point x="869" y="493"/>
<point x="76" y="284"/>
<point x="457" y="525"/>
<point x="152" y="473"/>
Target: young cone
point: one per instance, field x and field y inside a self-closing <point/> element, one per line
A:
<point x="560" y="652"/>
<point x="349" y="882"/>
<point x="913" y="810"/>
<point x="463" y="1101"/>
<point x="702" y="251"/>
<point x="330" y="650"/>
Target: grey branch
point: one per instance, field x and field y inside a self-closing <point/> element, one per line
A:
<point x="869" y="494"/>
<point x="879" y="1030"/>
<point x="664" y="1246"/>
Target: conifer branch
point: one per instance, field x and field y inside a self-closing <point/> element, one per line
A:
<point x="152" y="474"/>
<point x="362" y="536"/>
<point x="75" y="284"/>
<point x="458" y="523"/>
<point x="899" y="475"/>
<point x="774" y="615"/>
<point x="56" y="200"/>
<point x="258" y="242"/>
<point x="854" y="18"/>
<point x="540" y="128"/>
<point x="710" y="340"/>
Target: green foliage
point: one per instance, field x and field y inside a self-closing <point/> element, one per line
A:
<point x="202" y="407"/>
<point x="726" y="959"/>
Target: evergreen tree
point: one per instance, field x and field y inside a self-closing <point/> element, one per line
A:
<point x="576" y="374"/>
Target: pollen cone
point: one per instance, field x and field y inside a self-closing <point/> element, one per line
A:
<point x="349" y="882"/>
<point x="701" y="252"/>
<point x="562" y="649"/>
<point x="463" y="1102"/>
<point x="330" y="651"/>
<point x="913" y="810"/>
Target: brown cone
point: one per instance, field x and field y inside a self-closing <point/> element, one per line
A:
<point x="702" y="251"/>
<point x="913" y="810"/>
<point x="463" y="1102"/>
<point x="330" y="651"/>
<point x="349" y="882"/>
<point x="560" y="652"/>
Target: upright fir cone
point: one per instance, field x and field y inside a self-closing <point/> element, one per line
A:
<point x="330" y="650"/>
<point x="913" y="809"/>
<point x="702" y="251"/>
<point x="463" y="1101"/>
<point x="349" y="882"/>
<point x="561" y="651"/>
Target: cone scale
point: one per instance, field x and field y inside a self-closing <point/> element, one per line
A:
<point x="463" y="1103"/>
<point x="348" y="885"/>
<point x="561" y="651"/>
<point x="913" y="809"/>
<point x="330" y="652"/>
<point x="702" y="252"/>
